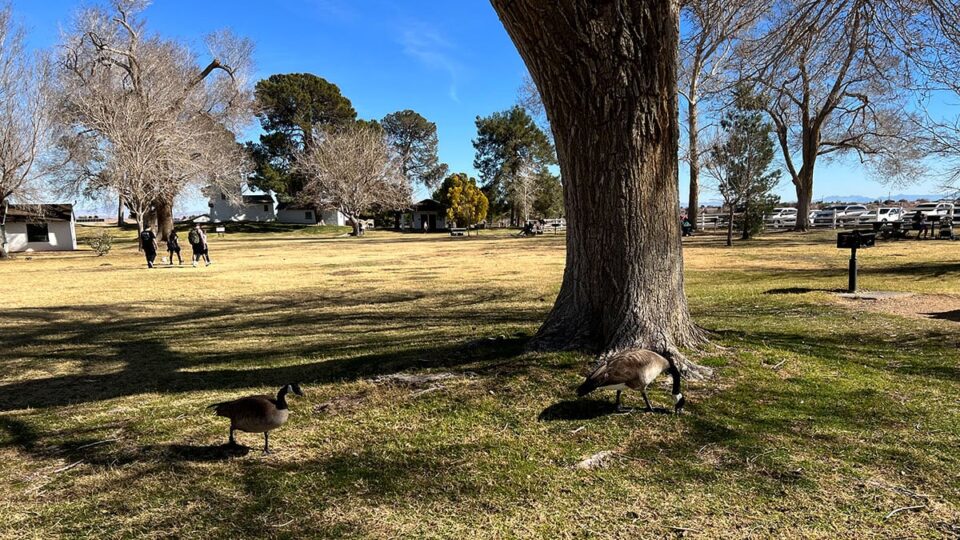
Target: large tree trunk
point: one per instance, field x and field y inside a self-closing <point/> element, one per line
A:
<point x="164" y="214"/>
<point x="693" y="205"/>
<point x="141" y="225"/>
<point x="120" y="211"/>
<point x="810" y="137"/>
<point x="607" y="73"/>
<point x="4" y="254"/>
<point x="804" y="185"/>
<point x="730" y="216"/>
<point x="745" y="223"/>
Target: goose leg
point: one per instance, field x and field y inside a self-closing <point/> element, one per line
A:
<point x="620" y="408"/>
<point x="232" y="442"/>
<point x="646" y="399"/>
<point x="266" y="442"/>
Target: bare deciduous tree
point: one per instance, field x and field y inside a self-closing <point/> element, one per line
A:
<point x="142" y="118"/>
<point x="522" y="190"/>
<point x="354" y="171"/>
<point x="937" y="57"/>
<point x="834" y="80"/>
<point x="528" y="97"/>
<point x="712" y="30"/>
<point x="24" y="119"/>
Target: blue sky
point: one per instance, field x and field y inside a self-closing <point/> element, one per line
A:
<point x="449" y="60"/>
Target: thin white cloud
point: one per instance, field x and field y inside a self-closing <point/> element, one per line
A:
<point x="323" y="9"/>
<point x="430" y="48"/>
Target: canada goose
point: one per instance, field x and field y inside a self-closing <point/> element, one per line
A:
<point x="632" y="369"/>
<point x="257" y="414"/>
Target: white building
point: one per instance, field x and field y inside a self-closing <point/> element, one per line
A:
<point x="430" y="213"/>
<point x="308" y="215"/>
<point x="43" y="227"/>
<point x="264" y="207"/>
<point x="252" y="207"/>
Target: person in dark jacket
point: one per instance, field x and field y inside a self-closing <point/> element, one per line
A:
<point x="198" y="241"/>
<point x="173" y="246"/>
<point x="148" y="241"/>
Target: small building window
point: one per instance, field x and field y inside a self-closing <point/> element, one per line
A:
<point x="266" y="208"/>
<point x="37" y="232"/>
<point x="308" y="215"/>
<point x="223" y="196"/>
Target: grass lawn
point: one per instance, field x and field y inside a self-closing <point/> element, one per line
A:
<point x="827" y="415"/>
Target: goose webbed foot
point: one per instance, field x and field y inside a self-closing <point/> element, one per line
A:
<point x="646" y="400"/>
<point x="619" y="408"/>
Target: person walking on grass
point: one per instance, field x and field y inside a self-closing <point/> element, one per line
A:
<point x="198" y="242"/>
<point x="173" y="246"/>
<point x="148" y="241"/>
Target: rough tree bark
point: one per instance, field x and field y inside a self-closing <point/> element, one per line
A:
<point x="607" y="71"/>
<point x="164" y="214"/>
<point x="693" y="205"/>
<point x="804" y="184"/>
<point x="4" y="254"/>
<point x="730" y="217"/>
<point x="803" y="179"/>
<point x="120" y="211"/>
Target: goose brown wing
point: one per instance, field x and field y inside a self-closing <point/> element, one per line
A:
<point x="623" y="370"/>
<point x="247" y="407"/>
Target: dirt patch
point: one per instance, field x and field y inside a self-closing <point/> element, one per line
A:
<point x="419" y="380"/>
<point x="916" y="306"/>
<point x="341" y="404"/>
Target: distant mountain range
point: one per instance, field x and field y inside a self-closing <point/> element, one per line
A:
<point x="856" y="199"/>
<point x="894" y="197"/>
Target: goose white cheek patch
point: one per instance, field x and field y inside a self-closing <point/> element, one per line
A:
<point x="677" y="398"/>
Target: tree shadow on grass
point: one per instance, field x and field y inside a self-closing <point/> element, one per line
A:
<point x="863" y="348"/>
<point x="342" y="336"/>
<point x="799" y="290"/>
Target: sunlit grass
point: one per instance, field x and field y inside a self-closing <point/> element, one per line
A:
<point x="824" y="418"/>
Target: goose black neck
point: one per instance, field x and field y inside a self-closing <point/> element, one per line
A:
<point x="282" y="398"/>
<point x="675" y="373"/>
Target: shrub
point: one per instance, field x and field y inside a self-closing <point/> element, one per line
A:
<point x="101" y="243"/>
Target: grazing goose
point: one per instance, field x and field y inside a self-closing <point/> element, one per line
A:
<point x="632" y="369"/>
<point x="257" y="414"/>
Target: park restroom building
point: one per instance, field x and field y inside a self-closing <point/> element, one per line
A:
<point x="309" y="215"/>
<point x="428" y="212"/>
<point x="39" y="227"/>
<point x="250" y="207"/>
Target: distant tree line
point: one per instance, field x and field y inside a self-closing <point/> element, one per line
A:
<point x="832" y="78"/>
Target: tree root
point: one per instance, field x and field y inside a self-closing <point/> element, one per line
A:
<point x="688" y="369"/>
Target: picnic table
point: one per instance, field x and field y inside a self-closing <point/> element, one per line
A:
<point x="901" y="229"/>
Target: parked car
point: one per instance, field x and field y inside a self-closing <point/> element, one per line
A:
<point x="933" y="209"/>
<point x="838" y="214"/>
<point x="883" y="214"/>
<point x="782" y="217"/>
